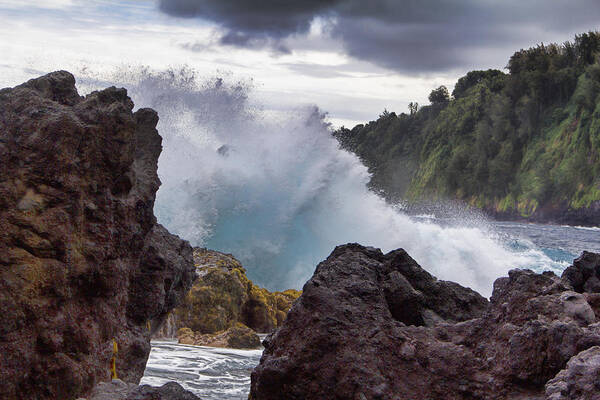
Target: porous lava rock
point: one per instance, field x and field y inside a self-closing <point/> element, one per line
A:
<point x="83" y="263"/>
<point x="580" y="380"/>
<point x="119" y="390"/>
<point x="584" y="274"/>
<point x="375" y="326"/>
<point x="238" y="336"/>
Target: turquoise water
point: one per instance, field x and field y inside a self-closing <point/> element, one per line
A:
<point x="275" y="190"/>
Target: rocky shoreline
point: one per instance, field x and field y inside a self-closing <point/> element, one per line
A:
<point x="377" y="326"/>
<point x="236" y="337"/>
<point x="119" y="390"/>
<point x="88" y="276"/>
<point x="555" y="215"/>
<point x="564" y="215"/>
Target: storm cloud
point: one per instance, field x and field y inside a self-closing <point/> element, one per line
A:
<point x="413" y="36"/>
<point x="246" y="20"/>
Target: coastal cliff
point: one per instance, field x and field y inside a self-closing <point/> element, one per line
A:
<point x="86" y="273"/>
<point x="520" y="145"/>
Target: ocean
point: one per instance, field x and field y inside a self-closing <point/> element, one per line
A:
<point x="224" y="374"/>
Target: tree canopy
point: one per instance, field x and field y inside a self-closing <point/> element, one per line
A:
<point x="515" y="140"/>
<point x="439" y="96"/>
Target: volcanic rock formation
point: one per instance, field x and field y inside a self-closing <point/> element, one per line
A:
<point x="375" y="326"/>
<point x="119" y="390"/>
<point x="236" y="337"/>
<point x="84" y="267"/>
<point x="223" y="297"/>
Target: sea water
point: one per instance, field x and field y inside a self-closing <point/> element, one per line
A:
<point x="224" y="374"/>
<point x="209" y="372"/>
<point x="273" y="188"/>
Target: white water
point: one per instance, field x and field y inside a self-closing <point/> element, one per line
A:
<point x="209" y="372"/>
<point x="588" y="228"/>
<point x="275" y="190"/>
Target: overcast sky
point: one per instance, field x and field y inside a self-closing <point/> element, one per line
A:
<point x="352" y="58"/>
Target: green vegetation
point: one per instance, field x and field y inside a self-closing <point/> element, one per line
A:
<point x="511" y="142"/>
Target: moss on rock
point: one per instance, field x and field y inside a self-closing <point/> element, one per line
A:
<point x="223" y="295"/>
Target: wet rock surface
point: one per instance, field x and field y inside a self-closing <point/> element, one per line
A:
<point x="83" y="261"/>
<point x="119" y="390"/>
<point x="236" y="337"/>
<point x="584" y="274"/>
<point x="375" y="326"/>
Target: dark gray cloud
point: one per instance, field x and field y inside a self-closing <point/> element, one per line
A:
<point x="253" y="41"/>
<point x="252" y="19"/>
<point x="413" y="36"/>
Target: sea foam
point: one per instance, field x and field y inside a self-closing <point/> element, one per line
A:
<point x="274" y="189"/>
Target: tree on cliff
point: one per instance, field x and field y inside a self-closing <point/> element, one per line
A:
<point x="512" y="142"/>
<point x="439" y="96"/>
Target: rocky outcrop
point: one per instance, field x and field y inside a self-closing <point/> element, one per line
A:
<point x="119" y="390"/>
<point x="415" y="297"/>
<point x="375" y="326"/>
<point x="223" y="296"/>
<point x="584" y="274"/>
<point x="83" y="263"/>
<point x="236" y="337"/>
<point x="580" y="380"/>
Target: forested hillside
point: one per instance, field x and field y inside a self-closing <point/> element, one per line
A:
<point x="524" y="143"/>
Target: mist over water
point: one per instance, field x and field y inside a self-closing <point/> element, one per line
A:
<point x="275" y="190"/>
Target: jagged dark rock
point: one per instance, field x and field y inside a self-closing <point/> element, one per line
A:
<point x="584" y="274"/>
<point x="580" y="380"/>
<point x="168" y="391"/>
<point x="375" y="326"/>
<point x="119" y="390"/>
<point x="83" y="261"/>
<point x="417" y="298"/>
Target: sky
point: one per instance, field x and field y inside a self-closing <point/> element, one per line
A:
<point x="351" y="58"/>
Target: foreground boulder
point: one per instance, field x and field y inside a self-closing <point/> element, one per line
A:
<point x="119" y="390"/>
<point x="375" y="326"/>
<point x="579" y="380"/>
<point x="223" y="297"/>
<point x="85" y="269"/>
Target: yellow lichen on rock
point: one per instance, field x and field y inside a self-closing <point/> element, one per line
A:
<point x="264" y="310"/>
<point x="223" y="296"/>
